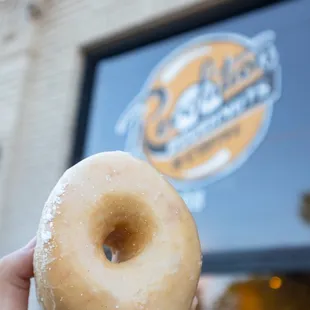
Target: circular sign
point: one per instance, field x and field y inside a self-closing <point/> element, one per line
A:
<point x="205" y="108"/>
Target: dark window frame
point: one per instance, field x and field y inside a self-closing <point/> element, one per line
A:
<point x="285" y="260"/>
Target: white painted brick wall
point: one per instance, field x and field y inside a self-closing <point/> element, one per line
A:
<point x="40" y="74"/>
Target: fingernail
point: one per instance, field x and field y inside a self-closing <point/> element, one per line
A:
<point x="31" y="244"/>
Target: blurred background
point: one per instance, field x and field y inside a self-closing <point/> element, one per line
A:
<point x="212" y="93"/>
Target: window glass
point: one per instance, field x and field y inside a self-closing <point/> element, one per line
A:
<point x="223" y="112"/>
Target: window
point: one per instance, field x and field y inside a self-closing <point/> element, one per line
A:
<point x="250" y="201"/>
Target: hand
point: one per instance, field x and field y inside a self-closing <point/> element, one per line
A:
<point x="16" y="270"/>
<point x="199" y="302"/>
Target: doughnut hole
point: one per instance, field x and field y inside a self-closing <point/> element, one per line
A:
<point x="125" y="225"/>
<point x="108" y="252"/>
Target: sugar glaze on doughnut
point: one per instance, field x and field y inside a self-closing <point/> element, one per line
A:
<point x="114" y="199"/>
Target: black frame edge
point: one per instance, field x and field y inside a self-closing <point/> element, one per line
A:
<point x="158" y="30"/>
<point x="262" y="261"/>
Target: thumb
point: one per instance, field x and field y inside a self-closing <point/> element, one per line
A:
<point x="16" y="270"/>
<point x="17" y="267"/>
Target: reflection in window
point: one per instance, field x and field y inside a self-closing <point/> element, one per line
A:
<point x="269" y="292"/>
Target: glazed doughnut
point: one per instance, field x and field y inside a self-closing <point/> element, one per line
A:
<point x="116" y="200"/>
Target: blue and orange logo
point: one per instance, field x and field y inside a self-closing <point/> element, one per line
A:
<point x="205" y="108"/>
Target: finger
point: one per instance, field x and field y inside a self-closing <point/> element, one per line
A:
<point x="17" y="268"/>
<point x="195" y="303"/>
<point x="201" y="291"/>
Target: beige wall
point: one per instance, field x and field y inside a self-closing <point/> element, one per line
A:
<point x="40" y="74"/>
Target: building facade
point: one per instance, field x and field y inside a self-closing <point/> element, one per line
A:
<point x="75" y="76"/>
